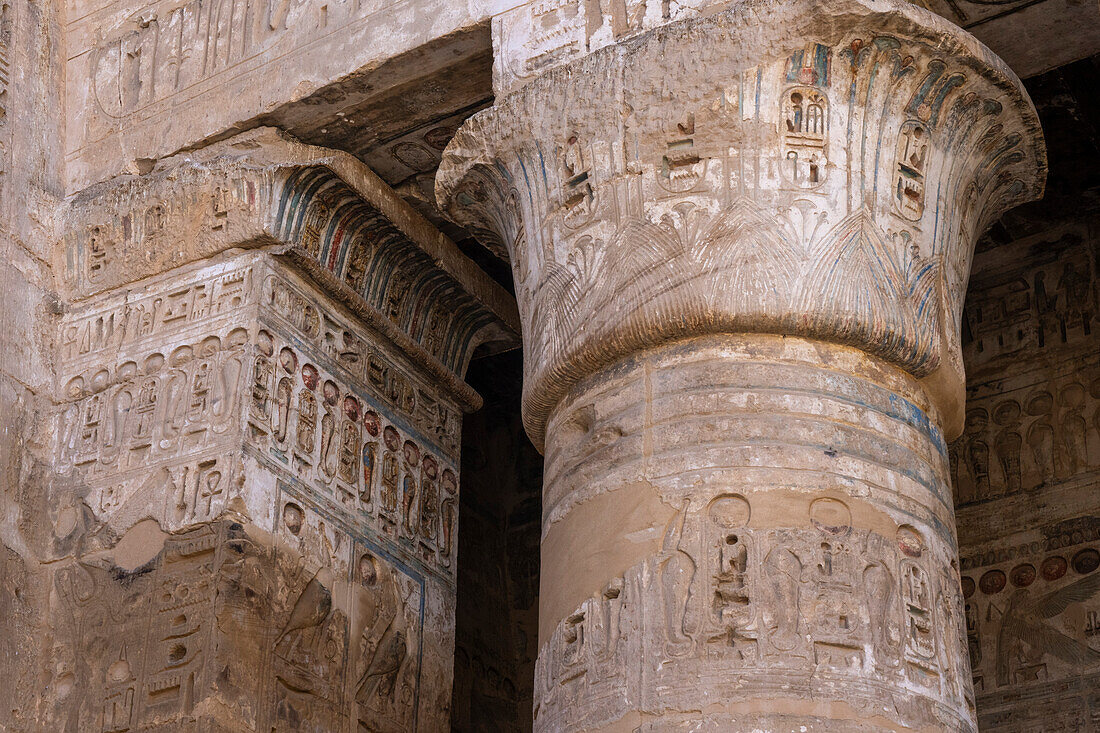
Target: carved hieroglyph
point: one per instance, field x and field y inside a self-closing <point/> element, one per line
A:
<point x="260" y="451"/>
<point x="659" y="177"/>
<point x="789" y="504"/>
<point x="132" y="66"/>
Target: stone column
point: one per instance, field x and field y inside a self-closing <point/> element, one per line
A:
<point x="259" y="376"/>
<point x="741" y="241"/>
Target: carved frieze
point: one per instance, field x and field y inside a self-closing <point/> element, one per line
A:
<point x="323" y="627"/>
<point x="1026" y="469"/>
<point x="131" y="67"/>
<point x="161" y="387"/>
<point x="1033" y="620"/>
<point x="1050" y="308"/>
<point x="318" y="463"/>
<point x="328" y="411"/>
<point x="1035" y="434"/>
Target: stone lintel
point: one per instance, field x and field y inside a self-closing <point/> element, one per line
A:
<point x="261" y="189"/>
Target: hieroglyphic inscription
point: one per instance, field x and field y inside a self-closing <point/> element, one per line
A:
<point x="151" y="388"/>
<point x="724" y="600"/>
<point x="153" y="316"/>
<point x="1033" y="607"/>
<point x="419" y="404"/>
<point x="173" y="49"/>
<point x="157" y="427"/>
<point x="1035" y="435"/>
<point x="357" y="659"/>
<point x="219" y="613"/>
<point x="149" y="226"/>
<point x="333" y="411"/>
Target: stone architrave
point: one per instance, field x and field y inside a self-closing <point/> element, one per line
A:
<point x="260" y="388"/>
<point x="741" y="240"/>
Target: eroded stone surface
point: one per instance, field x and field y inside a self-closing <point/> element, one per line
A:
<point x="231" y="380"/>
<point x="799" y="547"/>
<point x="306" y="478"/>
<point x="254" y="505"/>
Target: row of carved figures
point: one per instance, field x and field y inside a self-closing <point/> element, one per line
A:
<point x="365" y="362"/>
<point x="155" y="409"/>
<point x="1046" y="435"/>
<point x="331" y="438"/>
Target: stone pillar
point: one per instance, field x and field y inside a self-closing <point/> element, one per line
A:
<point x="741" y="241"/>
<point x="257" y="448"/>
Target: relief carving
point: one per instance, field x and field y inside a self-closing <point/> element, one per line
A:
<point x="1041" y="435"/>
<point x="1028" y="623"/>
<point x="756" y="603"/>
<point x="675" y="196"/>
<point x="218" y="613"/>
<point x="323" y="424"/>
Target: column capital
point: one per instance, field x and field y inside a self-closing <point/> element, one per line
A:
<point x="799" y="168"/>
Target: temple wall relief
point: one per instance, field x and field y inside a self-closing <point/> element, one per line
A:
<point x="1026" y="471"/>
<point x="260" y="429"/>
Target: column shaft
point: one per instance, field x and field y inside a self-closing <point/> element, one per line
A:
<point x="751" y="531"/>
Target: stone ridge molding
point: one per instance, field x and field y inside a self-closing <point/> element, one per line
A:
<point x="323" y="209"/>
<point x="804" y="168"/>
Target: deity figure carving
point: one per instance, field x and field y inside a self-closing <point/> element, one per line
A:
<point x="380" y="635"/>
<point x="349" y="458"/>
<point x="373" y="425"/>
<point x="263" y="372"/>
<point x="411" y="454"/>
<point x="448" y="512"/>
<point x="391" y="471"/>
<point x="429" y="499"/>
<point x="677" y="573"/>
<point x="329" y="430"/>
<point x="305" y="432"/>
